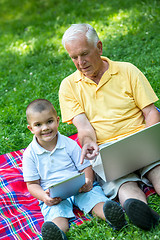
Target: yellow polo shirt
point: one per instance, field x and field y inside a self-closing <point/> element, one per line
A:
<point x="113" y="107"/>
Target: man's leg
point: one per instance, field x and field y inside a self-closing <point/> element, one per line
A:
<point x="134" y="201"/>
<point x="130" y="190"/>
<point x="154" y="177"/>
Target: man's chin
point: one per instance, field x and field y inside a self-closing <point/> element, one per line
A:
<point x="87" y="73"/>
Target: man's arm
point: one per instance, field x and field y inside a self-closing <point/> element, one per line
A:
<point x="151" y="115"/>
<point x="87" y="137"/>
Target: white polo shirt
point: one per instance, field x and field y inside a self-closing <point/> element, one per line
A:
<point x="55" y="166"/>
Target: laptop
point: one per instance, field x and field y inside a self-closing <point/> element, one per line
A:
<point x="129" y="153"/>
<point x="69" y="187"/>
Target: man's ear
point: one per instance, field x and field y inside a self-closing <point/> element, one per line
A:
<point x="30" y="128"/>
<point x="99" y="47"/>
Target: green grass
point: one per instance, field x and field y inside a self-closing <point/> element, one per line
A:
<point x="33" y="63"/>
<point x="97" y="229"/>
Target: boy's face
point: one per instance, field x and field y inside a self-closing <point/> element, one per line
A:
<point x="44" y="125"/>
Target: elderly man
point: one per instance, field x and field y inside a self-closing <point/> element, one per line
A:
<point x="107" y="100"/>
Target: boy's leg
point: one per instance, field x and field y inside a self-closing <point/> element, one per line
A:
<point x="56" y="220"/>
<point x="55" y="230"/>
<point x="62" y="223"/>
<point x="112" y="212"/>
<point x="93" y="201"/>
<point x="97" y="210"/>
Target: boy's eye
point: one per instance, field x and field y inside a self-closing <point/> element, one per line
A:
<point x="37" y="124"/>
<point x="50" y="121"/>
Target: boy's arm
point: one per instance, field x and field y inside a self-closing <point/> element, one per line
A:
<point x="89" y="176"/>
<point x="37" y="191"/>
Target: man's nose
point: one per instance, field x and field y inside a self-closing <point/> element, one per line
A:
<point x="81" y="60"/>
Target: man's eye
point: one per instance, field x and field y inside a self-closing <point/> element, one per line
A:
<point x="74" y="57"/>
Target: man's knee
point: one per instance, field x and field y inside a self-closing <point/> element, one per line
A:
<point x="154" y="174"/>
<point x="154" y="177"/>
<point x="130" y="190"/>
<point x="127" y="187"/>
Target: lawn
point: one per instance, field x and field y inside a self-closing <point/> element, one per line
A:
<point x="33" y="63"/>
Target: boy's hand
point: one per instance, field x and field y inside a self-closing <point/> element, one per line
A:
<point x="87" y="186"/>
<point x="50" y="201"/>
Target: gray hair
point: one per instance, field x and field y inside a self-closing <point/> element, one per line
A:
<point x="75" y="30"/>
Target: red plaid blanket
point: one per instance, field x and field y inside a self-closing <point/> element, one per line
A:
<point x="20" y="215"/>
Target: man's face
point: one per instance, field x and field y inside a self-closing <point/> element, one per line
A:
<point x="85" y="55"/>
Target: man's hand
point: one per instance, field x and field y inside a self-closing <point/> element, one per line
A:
<point x="87" y="137"/>
<point x="89" y="151"/>
<point x="50" y="201"/>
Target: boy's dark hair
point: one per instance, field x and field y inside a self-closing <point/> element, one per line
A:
<point x="39" y="105"/>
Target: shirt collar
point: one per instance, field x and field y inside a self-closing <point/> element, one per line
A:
<point x="40" y="150"/>
<point x="113" y="69"/>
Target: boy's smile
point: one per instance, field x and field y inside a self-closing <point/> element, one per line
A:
<point x="44" y="125"/>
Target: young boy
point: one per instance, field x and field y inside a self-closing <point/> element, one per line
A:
<point x="51" y="158"/>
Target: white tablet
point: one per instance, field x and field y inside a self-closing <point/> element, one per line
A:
<point x="67" y="188"/>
